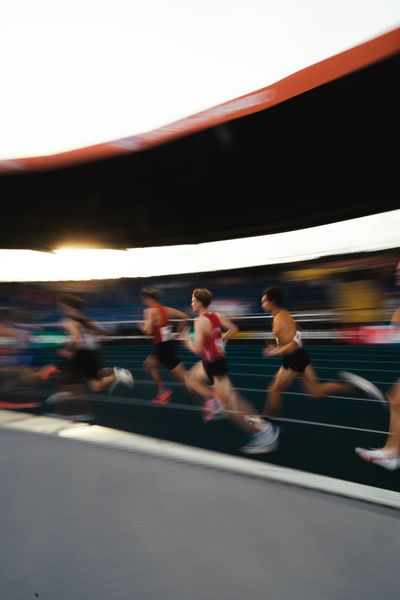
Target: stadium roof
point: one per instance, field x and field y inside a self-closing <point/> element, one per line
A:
<point x="315" y="89"/>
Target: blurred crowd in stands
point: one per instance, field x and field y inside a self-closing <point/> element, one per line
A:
<point x="347" y="291"/>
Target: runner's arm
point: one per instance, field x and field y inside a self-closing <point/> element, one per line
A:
<point x="97" y="329"/>
<point x="73" y="331"/>
<point x="147" y="327"/>
<point x="182" y="316"/>
<point x="229" y="326"/>
<point x="282" y="331"/>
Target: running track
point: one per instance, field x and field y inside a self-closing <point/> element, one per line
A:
<point x="317" y="435"/>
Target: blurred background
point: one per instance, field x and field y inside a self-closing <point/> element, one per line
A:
<point x="136" y="138"/>
<point x="145" y="141"/>
<point x="347" y="299"/>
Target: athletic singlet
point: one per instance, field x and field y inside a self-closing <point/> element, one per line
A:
<point x="162" y="332"/>
<point x="214" y="348"/>
<point x="87" y="339"/>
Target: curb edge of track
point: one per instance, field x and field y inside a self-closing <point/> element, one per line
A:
<point x="132" y="442"/>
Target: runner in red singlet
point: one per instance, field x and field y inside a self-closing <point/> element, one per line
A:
<point x="209" y="343"/>
<point x="158" y="324"/>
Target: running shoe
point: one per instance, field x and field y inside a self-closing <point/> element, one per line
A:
<point x="124" y="376"/>
<point x="46" y="372"/>
<point x="364" y="385"/>
<point x="162" y="398"/>
<point x="384" y="458"/>
<point x="263" y="441"/>
<point x="212" y="410"/>
<point x="121" y="376"/>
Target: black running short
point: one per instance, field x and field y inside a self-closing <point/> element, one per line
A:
<point x="217" y="368"/>
<point x="82" y="366"/>
<point x="165" y="352"/>
<point x="297" y="361"/>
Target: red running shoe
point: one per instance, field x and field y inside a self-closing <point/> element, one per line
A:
<point x="48" y="372"/>
<point x="162" y="398"/>
<point x="212" y="409"/>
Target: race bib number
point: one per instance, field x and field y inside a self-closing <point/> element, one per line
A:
<point x="166" y="333"/>
<point x="297" y="338"/>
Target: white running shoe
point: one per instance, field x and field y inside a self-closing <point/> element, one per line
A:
<point x="262" y="442"/>
<point x="58" y="397"/>
<point x="121" y="376"/>
<point x="384" y="458"/>
<point x="364" y="385"/>
<point x="124" y="376"/>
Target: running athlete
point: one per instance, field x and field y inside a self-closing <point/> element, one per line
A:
<point x="296" y="361"/>
<point x="158" y="324"/>
<point x="209" y="342"/>
<point x="14" y="358"/>
<point x="81" y="366"/>
<point x="389" y="455"/>
<point x="16" y="354"/>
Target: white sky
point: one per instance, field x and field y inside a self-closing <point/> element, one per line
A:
<point x="80" y="72"/>
<point x="371" y="233"/>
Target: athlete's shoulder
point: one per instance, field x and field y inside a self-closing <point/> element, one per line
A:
<point x="203" y="320"/>
<point x="283" y="315"/>
<point x="283" y="320"/>
<point x="213" y="317"/>
<point x="150" y="313"/>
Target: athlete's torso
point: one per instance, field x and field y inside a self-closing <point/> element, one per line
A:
<point x="162" y="329"/>
<point x="285" y="329"/>
<point x="87" y="339"/>
<point x="213" y="348"/>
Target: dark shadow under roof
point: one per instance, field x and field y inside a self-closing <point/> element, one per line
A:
<point x="326" y="155"/>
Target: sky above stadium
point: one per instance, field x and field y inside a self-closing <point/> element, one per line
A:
<point x="365" y="234"/>
<point x="82" y="72"/>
